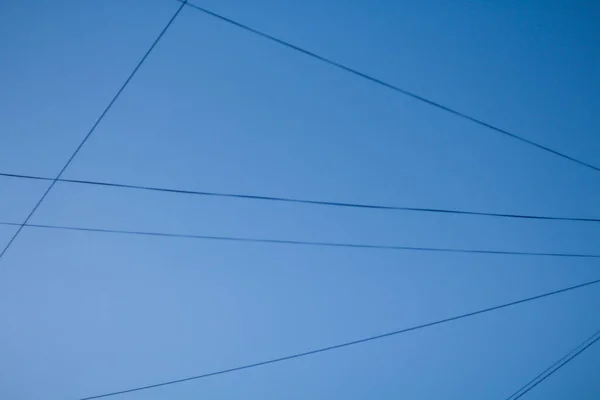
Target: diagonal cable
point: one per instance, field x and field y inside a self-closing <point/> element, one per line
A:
<point x="555" y="367"/>
<point x="342" y="345"/>
<point x="390" y="86"/>
<point x="87" y="136"/>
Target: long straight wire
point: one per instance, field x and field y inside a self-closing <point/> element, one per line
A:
<point x="307" y="243"/>
<point x="555" y="367"/>
<point x="305" y="201"/>
<point x="389" y="86"/>
<point x="87" y="136"/>
<point x="346" y="344"/>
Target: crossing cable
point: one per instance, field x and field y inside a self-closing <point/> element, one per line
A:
<point x="87" y="136"/>
<point x="305" y="201"/>
<point x="555" y="367"/>
<point x="387" y="85"/>
<point x="343" y="345"/>
<point x="307" y="243"/>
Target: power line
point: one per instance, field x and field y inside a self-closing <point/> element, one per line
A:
<point x="307" y="243"/>
<point x="305" y="201"/>
<point x="87" y="136"/>
<point x="555" y="367"/>
<point x="389" y="85"/>
<point x="342" y="345"/>
<point x="541" y="374"/>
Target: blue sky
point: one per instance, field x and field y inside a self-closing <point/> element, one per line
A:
<point x="216" y="109"/>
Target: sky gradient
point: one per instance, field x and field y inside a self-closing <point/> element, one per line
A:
<point x="216" y="109"/>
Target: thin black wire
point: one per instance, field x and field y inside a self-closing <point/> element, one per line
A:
<point x="525" y="388"/>
<point x="562" y="364"/>
<point x="305" y="201"/>
<point x="388" y="85"/>
<point x="87" y="136"/>
<point x="346" y="344"/>
<point x="307" y="243"/>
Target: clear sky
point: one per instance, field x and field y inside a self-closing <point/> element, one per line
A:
<point x="217" y="109"/>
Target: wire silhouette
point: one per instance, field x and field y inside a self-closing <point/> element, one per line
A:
<point x="390" y="86"/>
<point x="555" y="367"/>
<point x="346" y="344"/>
<point x="307" y="243"/>
<point x="87" y="136"/>
<point x="305" y="201"/>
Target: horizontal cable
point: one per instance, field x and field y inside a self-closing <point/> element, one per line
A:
<point x="342" y="345"/>
<point x="305" y="201"/>
<point x="307" y="243"/>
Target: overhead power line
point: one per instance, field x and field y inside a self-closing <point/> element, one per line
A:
<point x="390" y="86"/>
<point x="555" y="367"/>
<point x="306" y="201"/>
<point x="346" y="344"/>
<point x="307" y="243"/>
<point x="93" y="128"/>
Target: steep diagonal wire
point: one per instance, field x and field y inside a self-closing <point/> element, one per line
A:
<point x="555" y="367"/>
<point x="306" y="201"/>
<point x="390" y="86"/>
<point x="93" y="128"/>
<point x="342" y="345"/>
<point x="309" y="243"/>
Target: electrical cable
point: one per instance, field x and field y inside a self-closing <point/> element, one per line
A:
<point x="342" y="345"/>
<point x="87" y="136"/>
<point x="305" y="201"/>
<point x="389" y="86"/>
<point x="555" y="367"/>
<point x="307" y="243"/>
